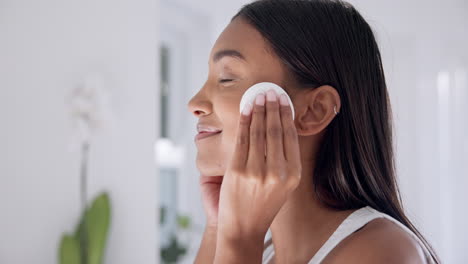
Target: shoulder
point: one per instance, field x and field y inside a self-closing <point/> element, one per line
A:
<point x="380" y="241"/>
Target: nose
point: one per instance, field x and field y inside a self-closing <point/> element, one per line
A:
<point x="200" y="105"/>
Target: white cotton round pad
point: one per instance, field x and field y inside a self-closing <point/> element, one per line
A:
<point x="251" y="93"/>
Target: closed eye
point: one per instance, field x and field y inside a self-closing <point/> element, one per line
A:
<point x="225" y="80"/>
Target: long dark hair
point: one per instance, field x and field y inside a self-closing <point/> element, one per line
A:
<point x="327" y="42"/>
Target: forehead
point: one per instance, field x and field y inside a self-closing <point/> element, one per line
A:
<point x="242" y="37"/>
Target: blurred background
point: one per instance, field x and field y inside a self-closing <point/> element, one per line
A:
<point x="95" y="129"/>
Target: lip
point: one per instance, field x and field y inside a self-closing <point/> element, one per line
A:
<point x="202" y="127"/>
<point x="204" y="134"/>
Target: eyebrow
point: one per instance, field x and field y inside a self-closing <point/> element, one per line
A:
<point x="230" y="53"/>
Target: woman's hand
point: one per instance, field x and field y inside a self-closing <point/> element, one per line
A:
<point x="264" y="169"/>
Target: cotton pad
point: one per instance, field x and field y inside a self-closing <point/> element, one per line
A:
<point x="251" y="93"/>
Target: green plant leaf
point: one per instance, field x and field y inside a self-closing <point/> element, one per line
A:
<point x="173" y="251"/>
<point x="183" y="221"/>
<point x="69" y="250"/>
<point x="97" y="226"/>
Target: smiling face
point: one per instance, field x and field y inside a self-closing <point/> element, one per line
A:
<point x="239" y="59"/>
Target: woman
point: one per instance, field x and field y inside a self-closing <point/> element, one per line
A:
<point x="324" y="182"/>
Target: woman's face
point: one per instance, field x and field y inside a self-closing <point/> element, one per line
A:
<point x="239" y="58"/>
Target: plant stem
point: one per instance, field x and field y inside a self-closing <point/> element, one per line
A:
<point x="84" y="195"/>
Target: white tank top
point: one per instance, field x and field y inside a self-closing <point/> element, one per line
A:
<point x="352" y="223"/>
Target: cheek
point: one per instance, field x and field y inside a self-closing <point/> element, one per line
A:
<point x="213" y="158"/>
<point x="229" y="135"/>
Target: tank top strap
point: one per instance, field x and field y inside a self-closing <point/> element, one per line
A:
<point x="351" y="224"/>
<point x="354" y="222"/>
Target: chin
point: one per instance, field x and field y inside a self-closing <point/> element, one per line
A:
<point x="211" y="161"/>
<point x="209" y="168"/>
<point x="211" y="172"/>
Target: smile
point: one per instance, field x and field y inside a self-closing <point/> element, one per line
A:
<point x="202" y="135"/>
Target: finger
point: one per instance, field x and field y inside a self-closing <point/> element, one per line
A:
<point x="241" y="149"/>
<point x="274" y="135"/>
<point x="290" y="137"/>
<point x="257" y="132"/>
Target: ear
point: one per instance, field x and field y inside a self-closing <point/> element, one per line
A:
<point x="316" y="109"/>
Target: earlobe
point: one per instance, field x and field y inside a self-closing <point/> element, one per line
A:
<point x="316" y="108"/>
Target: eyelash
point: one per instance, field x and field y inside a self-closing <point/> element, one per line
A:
<point x="226" y="80"/>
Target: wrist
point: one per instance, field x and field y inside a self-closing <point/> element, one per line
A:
<point x="240" y="239"/>
<point x="241" y="235"/>
<point x="239" y="249"/>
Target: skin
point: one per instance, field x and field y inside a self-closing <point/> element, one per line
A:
<point x="300" y="224"/>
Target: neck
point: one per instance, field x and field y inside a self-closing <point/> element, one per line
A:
<point x="303" y="224"/>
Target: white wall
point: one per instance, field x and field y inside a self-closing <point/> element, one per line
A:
<point x="46" y="47"/>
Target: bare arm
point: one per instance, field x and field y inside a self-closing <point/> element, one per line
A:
<point x="206" y="252"/>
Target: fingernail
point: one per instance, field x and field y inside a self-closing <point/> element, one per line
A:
<point x="260" y="99"/>
<point x="284" y="100"/>
<point x="271" y="95"/>
<point x="247" y="109"/>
